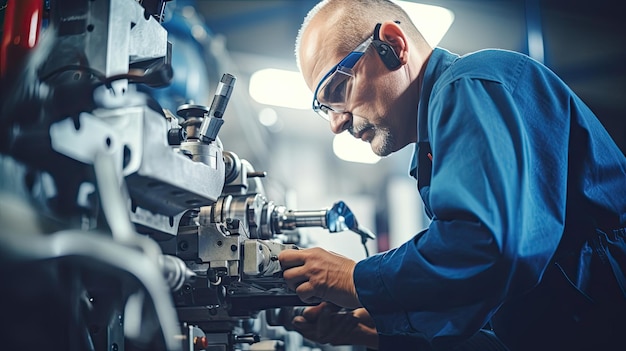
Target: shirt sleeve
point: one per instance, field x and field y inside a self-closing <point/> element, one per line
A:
<point x="493" y="231"/>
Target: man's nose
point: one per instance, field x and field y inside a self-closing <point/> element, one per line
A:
<point x="340" y="121"/>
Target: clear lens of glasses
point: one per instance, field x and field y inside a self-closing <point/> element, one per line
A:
<point x="333" y="93"/>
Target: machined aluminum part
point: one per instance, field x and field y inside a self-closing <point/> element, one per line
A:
<point x="219" y="247"/>
<point x="260" y="257"/>
<point x="201" y="152"/>
<point x="157" y="225"/>
<point x="249" y="210"/>
<point x="159" y="178"/>
<point x="284" y="219"/>
<point x="175" y="271"/>
<point x="109" y="34"/>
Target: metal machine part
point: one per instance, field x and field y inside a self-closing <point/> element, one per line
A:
<point x="232" y="247"/>
<point x="175" y="271"/>
<point x="336" y="219"/>
<point x="111" y="35"/>
<point x="135" y="134"/>
<point x="155" y="237"/>
<point x="213" y="122"/>
<point x="235" y="238"/>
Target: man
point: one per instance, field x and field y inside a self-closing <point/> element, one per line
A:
<point x="525" y="188"/>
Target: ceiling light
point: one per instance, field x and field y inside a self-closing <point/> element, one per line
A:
<point x="349" y="148"/>
<point x="269" y="118"/>
<point x="279" y="87"/>
<point x="432" y="21"/>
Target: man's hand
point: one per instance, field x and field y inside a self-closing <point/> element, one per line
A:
<point x="328" y="324"/>
<point x="316" y="275"/>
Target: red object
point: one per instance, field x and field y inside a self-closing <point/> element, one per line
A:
<point x="22" y="25"/>
<point x="200" y="343"/>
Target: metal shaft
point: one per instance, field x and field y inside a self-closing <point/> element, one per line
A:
<point x="213" y="122"/>
<point x="299" y="219"/>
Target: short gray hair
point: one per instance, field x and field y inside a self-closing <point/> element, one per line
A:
<point x="357" y="17"/>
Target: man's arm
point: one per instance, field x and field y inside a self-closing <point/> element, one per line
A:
<point x="491" y="234"/>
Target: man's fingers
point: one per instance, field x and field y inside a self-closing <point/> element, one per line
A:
<point x="364" y="317"/>
<point x="343" y="323"/>
<point x="312" y="313"/>
<point x="299" y="320"/>
<point x="308" y="330"/>
<point x="290" y="258"/>
<point x="331" y="307"/>
<point x="334" y="327"/>
<point x="306" y="293"/>
<point x="332" y="323"/>
<point x="295" y="273"/>
<point x="295" y="276"/>
<point x="297" y="280"/>
<point x="326" y="323"/>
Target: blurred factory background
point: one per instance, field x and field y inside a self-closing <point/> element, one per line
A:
<point x="583" y="42"/>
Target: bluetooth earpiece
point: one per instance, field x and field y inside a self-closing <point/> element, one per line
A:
<point x="385" y="51"/>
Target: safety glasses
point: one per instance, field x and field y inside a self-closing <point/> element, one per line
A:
<point x="334" y="88"/>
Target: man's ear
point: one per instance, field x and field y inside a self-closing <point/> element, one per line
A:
<point x="390" y="43"/>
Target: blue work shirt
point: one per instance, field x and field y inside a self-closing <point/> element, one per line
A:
<point x="511" y="166"/>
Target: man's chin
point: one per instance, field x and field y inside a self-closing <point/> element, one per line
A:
<point x="381" y="149"/>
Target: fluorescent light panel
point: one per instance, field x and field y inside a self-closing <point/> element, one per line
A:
<point x="277" y="87"/>
<point x="432" y="21"/>
<point x="349" y="148"/>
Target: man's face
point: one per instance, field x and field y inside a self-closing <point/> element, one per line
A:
<point x="373" y="107"/>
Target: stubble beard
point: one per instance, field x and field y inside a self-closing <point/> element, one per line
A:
<point x="383" y="143"/>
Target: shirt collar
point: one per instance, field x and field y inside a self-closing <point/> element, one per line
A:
<point x="440" y="60"/>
